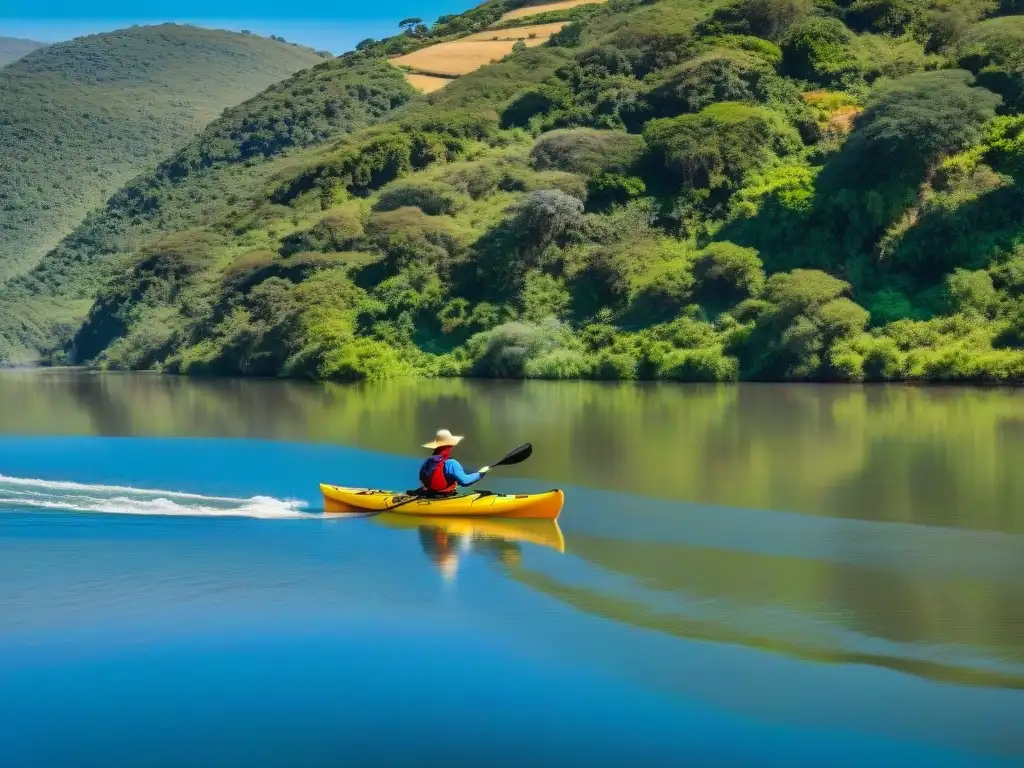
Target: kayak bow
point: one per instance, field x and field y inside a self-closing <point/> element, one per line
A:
<point x="534" y="506"/>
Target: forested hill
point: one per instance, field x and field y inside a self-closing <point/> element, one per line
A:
<point x="82" y="118"/>
<point x="13" y="48"/>
<point x="684" y="190"/>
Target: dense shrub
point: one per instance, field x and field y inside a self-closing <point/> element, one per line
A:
<point x="337" y="231"/>
<point x="546" y="217"/>
<point x="820" y="50"/>
<point x="802" y="323"/>
<point x="508" y="350"/>
<point x="664" y="292"/>
<point x="610" y="189"/>
<point x="717" y="76"/>
<point x="407" y="235"/>
<point x="994" y="51"/>
<point x="433" y="199"/>
<point x="718" y="146"/>
<point x="910" y="123"/>
<point x="727" y="274"/>
<point x="763" y="18"/>
<point x="586" y="151"/>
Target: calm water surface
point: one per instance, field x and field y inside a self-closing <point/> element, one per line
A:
<point x="742" y="575"/>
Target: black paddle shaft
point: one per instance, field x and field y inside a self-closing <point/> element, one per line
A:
<point x="522" y="453"/>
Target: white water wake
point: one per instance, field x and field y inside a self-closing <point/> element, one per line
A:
<point x="29" y="493"/>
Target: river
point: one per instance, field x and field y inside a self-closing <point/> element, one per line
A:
<point x="743" y="575"/>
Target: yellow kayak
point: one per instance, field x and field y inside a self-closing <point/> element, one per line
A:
<point x="534" y="506"/>
<point x="545" y="533"/>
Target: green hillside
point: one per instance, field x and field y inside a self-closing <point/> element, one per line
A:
<point x="682" y="190"/>
<point x="13" y="48"/>
<point x="82" y="118"/>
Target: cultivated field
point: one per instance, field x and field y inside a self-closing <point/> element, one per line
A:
<point x="460" y="57"/>
<point x="426" y="83"/>
<point x="540" y="32"/>
<point x="533" y="10"/>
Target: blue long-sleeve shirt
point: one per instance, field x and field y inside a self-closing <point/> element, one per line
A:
<point x="454" y="471"/>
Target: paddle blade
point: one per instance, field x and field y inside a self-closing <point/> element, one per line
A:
<point x="522" y="453"/>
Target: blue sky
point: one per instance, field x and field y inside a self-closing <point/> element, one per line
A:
<point x="335" y="25"/>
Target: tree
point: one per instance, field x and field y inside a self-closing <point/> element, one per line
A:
<point x="547" y="217"/>
<point x="769" y="19"/>
<point x="720" y="75"/>
<point x="410" y="22"/>
<point x="819" y="50"/>
<point x="586" y="151"/>
<point x="715" y="148"/>
<point x="994" y="51"/>
<point x="798" y="325"/>
<point x="539" y="221"/>
<point x="911" y="123"/>
<point x="727" y="274"/>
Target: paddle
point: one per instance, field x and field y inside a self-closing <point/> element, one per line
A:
<point x="515" y="456"/>
<point x="520" y="454"/>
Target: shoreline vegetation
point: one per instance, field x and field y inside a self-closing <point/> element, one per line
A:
<point x="676" y="190"/>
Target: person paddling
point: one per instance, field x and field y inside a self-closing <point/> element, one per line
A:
<point x="441" y="474"/>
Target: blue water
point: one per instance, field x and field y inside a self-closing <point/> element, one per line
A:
<point x="181" y="601"/>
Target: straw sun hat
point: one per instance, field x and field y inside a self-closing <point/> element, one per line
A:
<point x="443" y="438"/>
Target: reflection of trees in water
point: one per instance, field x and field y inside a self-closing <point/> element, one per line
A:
<point x="121" y="404"/>
<point x="981" y="617"/>
<point x="637" y="614"/>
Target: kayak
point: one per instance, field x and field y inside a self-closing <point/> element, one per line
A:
<point x="545" y="533"/>
<point x="533" y="506"/>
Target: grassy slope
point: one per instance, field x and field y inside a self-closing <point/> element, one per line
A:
<point x="739" y="215"/>
<point x="13" y="48"/>
<point x="81" y="118"/>
<point x="230" y="161"/>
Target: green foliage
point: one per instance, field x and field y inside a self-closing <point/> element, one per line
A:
<point x="695" y="365"/>
<point x="1003" y="146"/>
<point x="82" y="118"/>
<point x="971" y="291"/>
<point x="658" y="194"/>
<point x="307" y="108"/>
<point x="994" y="51"/>
<point x="717" y="147"/>
<point x="910" y="123"/>
<point x="334" y="232"/>
<point x="826" y="52"/>
<point x="763" y="18"/>
<point x="801" y="329"/>
<point x="611" y="189"/>
<point x="664" y="292"/>
<point x="586" y="151"/>
<point x="821" y="51"/>
<point x="891" y="16"/>
<point x="408" y="235"/>
<point x="434" y="199"/>
<point x="510" y="350"/>
<point x="719" y="76"/>
<point x="727" y="274"/>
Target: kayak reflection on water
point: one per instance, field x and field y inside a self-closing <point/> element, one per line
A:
<point x="446" y="540"/>
<point x="444" y="548"/>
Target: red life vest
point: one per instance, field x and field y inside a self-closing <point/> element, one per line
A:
<point x="432" y="472"/>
